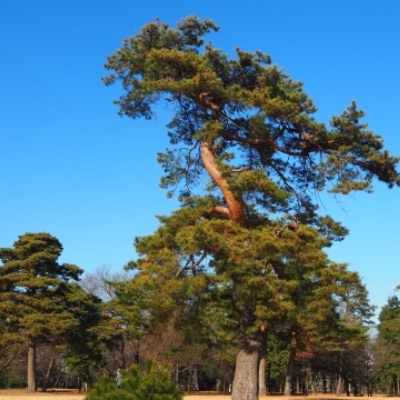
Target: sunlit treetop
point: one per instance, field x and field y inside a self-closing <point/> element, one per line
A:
<point x="244" y="121"/>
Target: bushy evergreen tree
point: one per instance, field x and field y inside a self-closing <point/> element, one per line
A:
<point x="152" y="383"/>
<point x="83" y="351"/>
<point x="34" y="301"/>
<point x="388" y="364"/>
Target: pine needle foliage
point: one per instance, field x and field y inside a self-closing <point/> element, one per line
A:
<point x="35" y="292"/>
<point x="387" y="364"/>
<point x="249" y="112"/>
<point x="151" y="384"/>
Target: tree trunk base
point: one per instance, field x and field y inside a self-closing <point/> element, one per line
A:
<point x="245" y="383"/>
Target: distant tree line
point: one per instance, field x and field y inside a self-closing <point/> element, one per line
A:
<point x="57" y="333"/>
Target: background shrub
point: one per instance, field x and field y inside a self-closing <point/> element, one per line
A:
<point x="151" y="384"/>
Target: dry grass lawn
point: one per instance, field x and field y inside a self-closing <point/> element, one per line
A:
<point x="74" y="395"/>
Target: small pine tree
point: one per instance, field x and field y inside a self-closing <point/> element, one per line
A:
<point x="152" y="383"/>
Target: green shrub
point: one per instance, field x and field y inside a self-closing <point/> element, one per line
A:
<point x="10" y="381"/>
<point x="151" y="384"/>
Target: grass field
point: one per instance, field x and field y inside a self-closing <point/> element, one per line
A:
<point x="74" y="395"/>
<point x="14" y="394"/>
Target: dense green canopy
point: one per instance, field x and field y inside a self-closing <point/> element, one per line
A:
<point x="249" y="106"/>
<point x="36" y="298"/>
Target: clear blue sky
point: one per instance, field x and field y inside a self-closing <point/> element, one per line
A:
<point x="71" y="167"/>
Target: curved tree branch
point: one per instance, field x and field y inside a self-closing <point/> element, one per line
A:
<point x="259" y="143"/>
<point x="235" y="207"/>
<point x="219" y="210"/>
<point x="292" y="225"/>
<point x="241" y="169"/>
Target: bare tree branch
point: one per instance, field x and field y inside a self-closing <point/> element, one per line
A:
<point x="193" y="266"/>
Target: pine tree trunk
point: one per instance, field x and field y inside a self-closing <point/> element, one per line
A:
<point x="339" y="386"/>
<point x="262" y="389"/>
<point x="290" y="371"/>
<point x="245" y="382"/>
<point x="48" y="374"/>
<point x="189" y="380"/>
<point x="31" y="375"/>
<point x="340" y="380"/>
<point x="324" y="384"/>
<point x="195" y="379"/>
<point x="218" y="385"/>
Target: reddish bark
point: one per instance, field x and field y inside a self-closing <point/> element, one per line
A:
<point x="235" y="206"/>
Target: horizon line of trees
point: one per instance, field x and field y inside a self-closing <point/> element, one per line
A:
<point x="87" y="329"/>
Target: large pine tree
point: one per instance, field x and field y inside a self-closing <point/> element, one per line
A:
<point x="250" y="128"/>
